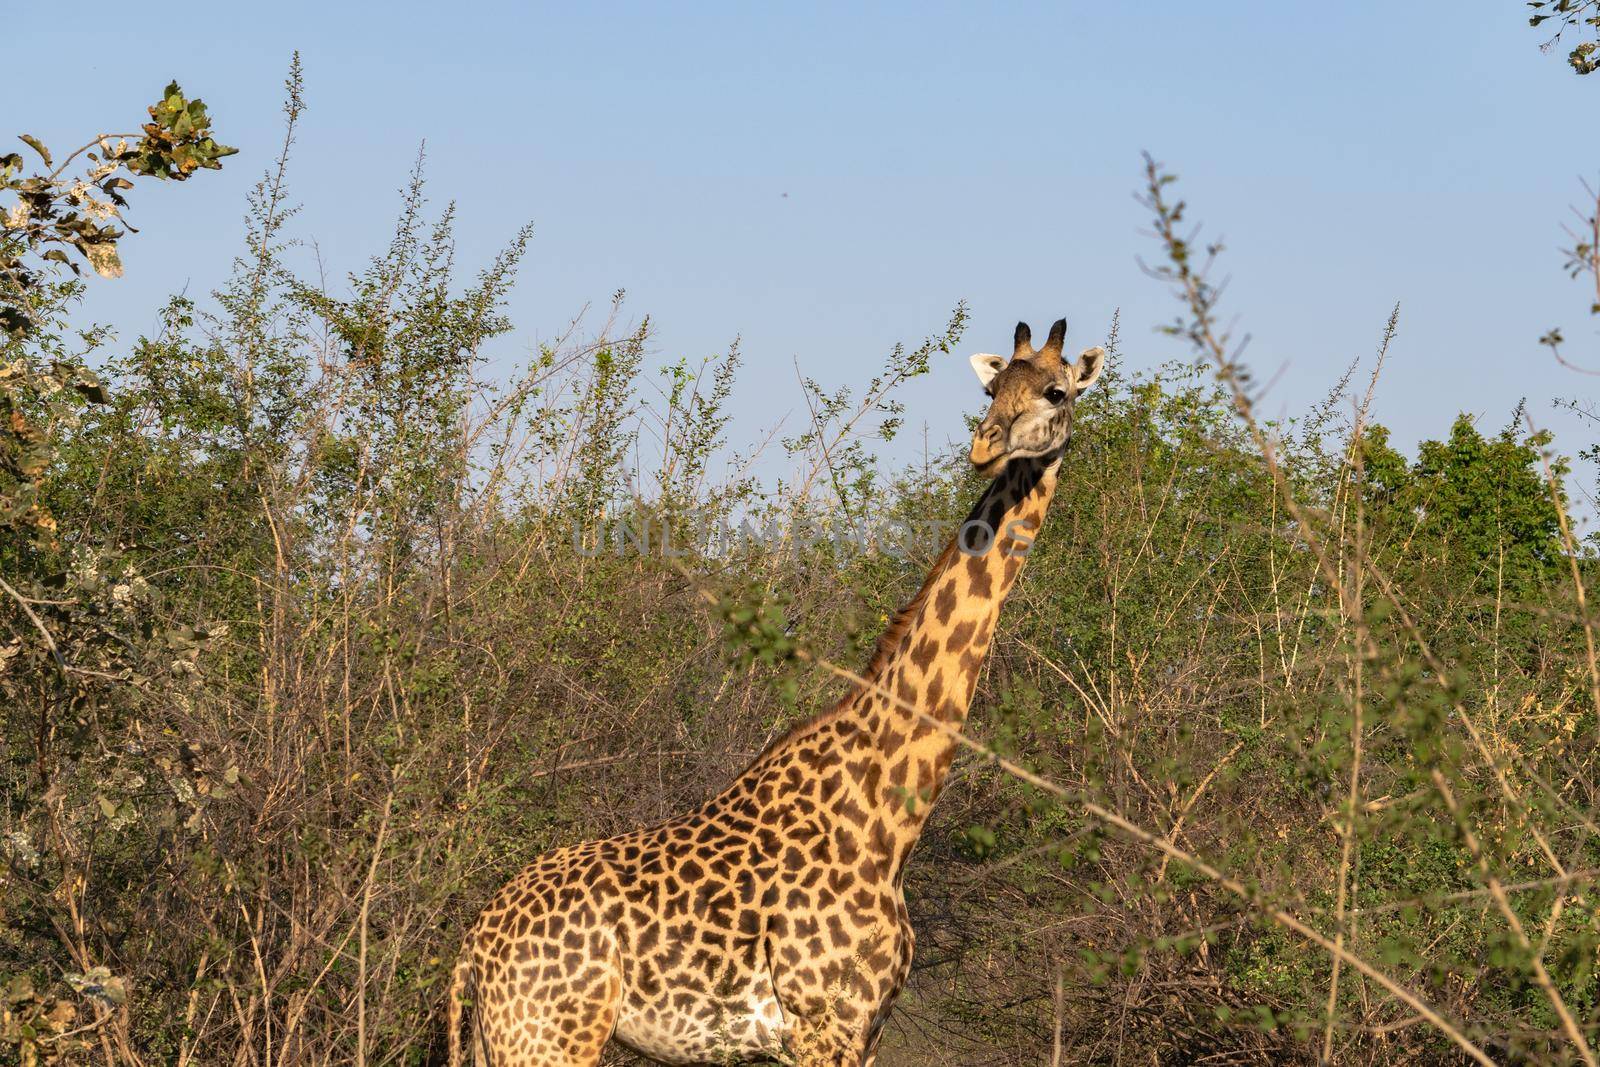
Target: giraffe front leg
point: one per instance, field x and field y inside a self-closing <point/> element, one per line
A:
<point x="870" y="1057"/>
<point x="828" y="1022"/>
<point x="835" y="1003"/>
<point x="825" y="1043"/>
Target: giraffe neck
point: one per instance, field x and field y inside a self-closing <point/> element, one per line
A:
<point x="931" y="655"/>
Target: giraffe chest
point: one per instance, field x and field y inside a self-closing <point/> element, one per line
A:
<point x="736" y="1019"/>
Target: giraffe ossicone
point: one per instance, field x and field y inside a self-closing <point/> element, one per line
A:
<point x="770" y="921"/>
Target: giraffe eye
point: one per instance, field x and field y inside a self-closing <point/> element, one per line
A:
<point x="1055" y="395"/>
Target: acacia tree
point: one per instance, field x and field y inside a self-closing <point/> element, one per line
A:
<point x="50" y="215"/>
<point x="1571" y="16"/>
<point x="1581" y="253"/>
<point x="64" y="631"/>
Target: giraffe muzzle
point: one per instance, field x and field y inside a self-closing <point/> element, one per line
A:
<point x="988" y="448"/>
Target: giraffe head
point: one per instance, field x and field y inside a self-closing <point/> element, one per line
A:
<point x="1033" y="394"/>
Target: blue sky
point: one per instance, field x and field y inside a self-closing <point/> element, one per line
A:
<point x="1353" y="155"/>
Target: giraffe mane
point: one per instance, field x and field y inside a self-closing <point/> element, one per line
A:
<point x="1028" y="471"/>
<point x="1022" y="477"/>
<point x="889" y="641"/>
<point x="886" y="647"/>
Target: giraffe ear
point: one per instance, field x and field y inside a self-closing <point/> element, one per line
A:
<point x="1091" y="361"/>
<point x="987" y="366"/>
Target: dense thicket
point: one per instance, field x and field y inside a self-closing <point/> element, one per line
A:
<point x="327" y="634"/>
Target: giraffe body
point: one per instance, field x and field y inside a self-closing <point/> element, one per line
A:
<point x="771" y="922"/>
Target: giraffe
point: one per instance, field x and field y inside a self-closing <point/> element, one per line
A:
<point x="770" y="922"/>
